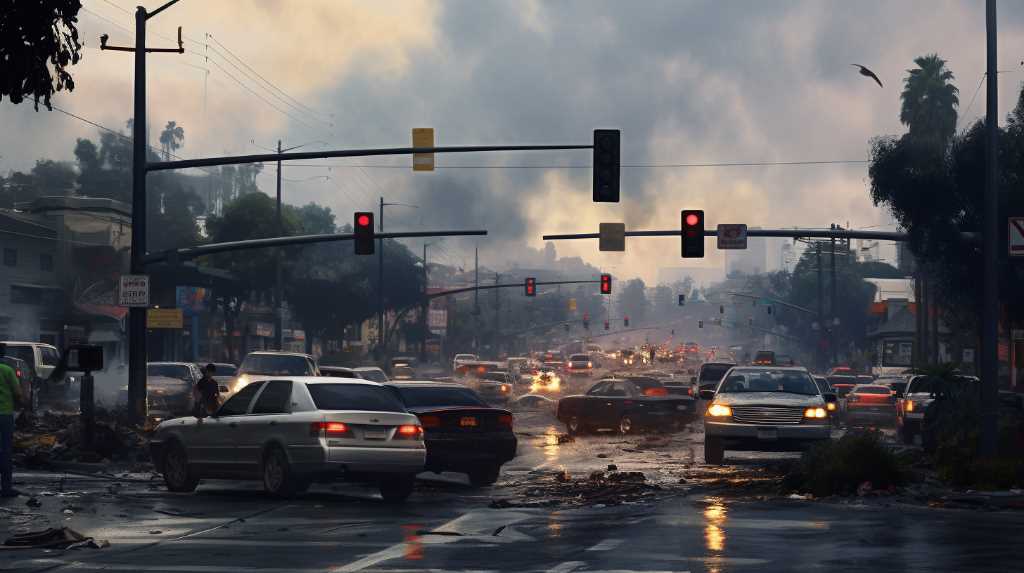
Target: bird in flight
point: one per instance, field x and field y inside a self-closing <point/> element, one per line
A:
<point x="868" y="73"/>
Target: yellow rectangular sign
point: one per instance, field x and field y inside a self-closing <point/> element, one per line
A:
<point x="572" y="305"/>
<point x="164" y="318"/>
<point x="423" y="137"/>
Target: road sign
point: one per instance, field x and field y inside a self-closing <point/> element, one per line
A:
<point x="133" y="290"/>
<point x="164" y="318"/>
<point x="732" y="236"/>
<point x="572" y="305"/>
<point x="1017" y="236"/>
<point x="612" y="236"/>
<point x="423" y="137"/>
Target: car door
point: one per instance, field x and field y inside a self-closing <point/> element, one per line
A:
<point x="216" y="438"/>
<point x="592" y="404"/>
<point x="267" y="422"/>
<point x="615" y="404"/>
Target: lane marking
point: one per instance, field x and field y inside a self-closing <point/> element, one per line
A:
<point x="566" y="567"/>
<point x="606" y="545"/>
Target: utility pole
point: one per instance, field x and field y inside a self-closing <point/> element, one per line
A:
<point x="380" y="285"/>
<point x="476" y="301"/>
<point x="821" y="304"/>
<point x="278" y="286"/>
<point x="990" y="292"/>
<point x="424" y="327"/>
<point x="832" y="303"/>
<point x="497" y="319"/>
<point x="137" y="315"/>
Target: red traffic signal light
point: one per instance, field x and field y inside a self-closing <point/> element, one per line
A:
<point x="531" y="286"/>
<point x="693" y="233"/>
<point x="363" y="229"/>
<point x="606" y="284"/>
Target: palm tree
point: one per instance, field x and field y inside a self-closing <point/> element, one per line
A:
<point x="171" y="138"/>
<point x="929" y="101"/>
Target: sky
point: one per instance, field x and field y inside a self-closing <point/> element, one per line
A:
<point x="687" y="82"/>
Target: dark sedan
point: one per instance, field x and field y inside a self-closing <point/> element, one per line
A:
<point x="626" y="406"/>
<point x="463" y="434"/>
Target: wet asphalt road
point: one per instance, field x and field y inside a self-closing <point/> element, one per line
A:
<point x="229" y="527"/>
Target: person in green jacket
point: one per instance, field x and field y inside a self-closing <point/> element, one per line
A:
<point x="9" y="392"/>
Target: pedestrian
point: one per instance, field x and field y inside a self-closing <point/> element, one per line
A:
<point x="207" y="393"/>
<point x="10" y="396"/>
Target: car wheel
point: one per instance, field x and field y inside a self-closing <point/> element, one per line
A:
<point x="575" y="427"/>
<point x="484" y="475"/>
<point x="714" y="451"/>
<point x="625" y="425"/>
<point x="396" y="489"/>
<point x="178" y="476"/>
<point x="278" y="477"/>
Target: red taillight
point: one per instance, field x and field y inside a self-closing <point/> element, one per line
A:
<point x="430" y="421"/>
<point x="18" y="373"/>
<point x="409" y="431"/>
<point x="689" y="391"/>
<point x="656" y="392"/>
<point x="330" y="429"/>
<point x="505" y="421"/>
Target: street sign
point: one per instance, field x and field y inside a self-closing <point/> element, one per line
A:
<point x="612" y="237"/>
<point x="1017" y="236"/>
<point x="164" y="318"/>
<point x="572" y="305"/>
<point x="732" y="236"/>
<point x="133" y="290"/>
<point x="423" y="137"/>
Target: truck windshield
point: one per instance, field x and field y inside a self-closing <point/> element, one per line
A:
<point x="768" y="381"/>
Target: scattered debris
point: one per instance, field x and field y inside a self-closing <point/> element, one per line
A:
<point x="33" y="502"/>
<point x="57" y="437"/>
<point x="54" y="538"/>
<point x="565" y="439"/>
<point x="602" y="456"/>
<point x="613" y="468"/>
<point x="562" y="476"/>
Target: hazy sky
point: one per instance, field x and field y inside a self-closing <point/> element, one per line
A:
<point x="686" y="82"/>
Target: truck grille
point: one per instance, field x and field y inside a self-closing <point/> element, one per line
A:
<point x="768" y="415"/>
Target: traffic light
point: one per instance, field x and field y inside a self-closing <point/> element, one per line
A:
<point x="700" y="324"/>
<point x="721" y="309"/>
<point x="625" y="321"/>
<point x="363" y="228"/>
<point x="682" y="299"/>
<point x="606" y="325"/>
<point x="606" y="284"/>
<point x="606" y="166"/>
<point x="531" y="286"/>
<point x="693" y="233"/>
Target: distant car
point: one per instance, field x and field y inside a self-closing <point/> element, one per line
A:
<point x="461" y="359"/>
<point x="264" y="364"/>
<point x="463" y="434"/>
<point x="897" y="385"/>
<point x="921" y="391"/>
<point x="870" y="403"/>
<point x="628" y="357"/>
<point x="674" y="386"/>
<point x="339" y="372"/>
<point x="169" y="387"/>
<point x="495" y="387"/>
<point x="402" y="373"/>
<point x="580" y="365"/>
<point x="293" y="430"/>
<point x="371" y="373"/>
<point x="710" y="374"/>
<point x="784" y="360"/>
<point x="626" y="406"/>
<point x="764" y="408"/>
<point x="546" y="381"/>
<point x="842" y="383"/>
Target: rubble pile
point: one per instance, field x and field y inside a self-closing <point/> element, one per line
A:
<point x="57" y="437"/>
<point x="599" y="489"/>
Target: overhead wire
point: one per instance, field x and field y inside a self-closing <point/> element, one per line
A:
<point x="362" y="166"/>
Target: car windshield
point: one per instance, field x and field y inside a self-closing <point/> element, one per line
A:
<point x="713" y="372"/>
<point x="579" y="358"/>
<point x="23" y="352"/>
<point x="788" y="382"/>
<point x="276" y="365"/>
<point x="179" y="371"/>
<point x="437" y="396"/>
<point x="363" y="397"/>
<point x="373" y="374"/>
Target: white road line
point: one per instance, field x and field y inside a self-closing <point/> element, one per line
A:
<point x="606" y="545"/>
<point x="566" y="567"/>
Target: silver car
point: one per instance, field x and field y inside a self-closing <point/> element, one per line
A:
<point x="292" y="431"/>
<point x="764" y="409"/>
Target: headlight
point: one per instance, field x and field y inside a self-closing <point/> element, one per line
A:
<point x="504" y="388"/>
<point x="719" y="411"/>
<point x="815" y="413"/>
<point x="590" y="364"/>
<point x="242" y="382"/>
<point x="908" y="406"/>
<point x="831" y="406"/>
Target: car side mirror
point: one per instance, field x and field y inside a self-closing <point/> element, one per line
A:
<point x="707" y="394"/>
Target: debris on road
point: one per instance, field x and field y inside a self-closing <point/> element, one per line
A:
<point x="53" y="538"/>
<point x="57" y="437"/>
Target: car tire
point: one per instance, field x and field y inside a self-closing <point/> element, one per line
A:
<point x="396" y="489"/>
<point x="279" y="479"/>
<point x="575" y="427"/>
<point x="484" y="475"/>
<point x="178" y="476"/>
<point x="626" y="425"/>
<point x="714" y="451"/>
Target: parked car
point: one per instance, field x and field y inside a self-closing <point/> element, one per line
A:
<point x="626" y="406"/>
<point x="710" y="374"/>
<point x="495" y="387"/>
<point x="764" y="408"/>
<point x="921" y="391"/>
<point x="339" y="372"/>
<point x="42" y="359"/>
<point x="22" y="372"/>
<point x="579" y="365"/>
<point x="294" y="430"/>
<point x="169" y="387"/>
<point x="264" y="364"/>
<point x="371" y="373"/>
<point x="871" y="403"/>
<point x="462" y="433"/>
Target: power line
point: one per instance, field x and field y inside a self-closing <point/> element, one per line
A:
<point x="362" y="166"/>
<point x="265" y="100"/>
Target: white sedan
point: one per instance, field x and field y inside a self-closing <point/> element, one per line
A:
<point x="290" y="432"/>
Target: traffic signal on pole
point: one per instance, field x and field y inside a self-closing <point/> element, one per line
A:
<point x="700" y="324"/>
<point x="625" y="321"/>
<point x="363" y="228"/>
<point x="606" y="325"/>
<point x="606" y="166"/>
<point x="682" y="299"/>
<point x="531" y="286"/>
<point x="606" y="284"/>
<point x="693" y="233"/>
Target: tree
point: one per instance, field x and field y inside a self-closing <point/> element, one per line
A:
<point x="171" y="139"/>
<point x="38" y="42"/>
<point x="929" y="102"/>
<point x="633" y="301"/>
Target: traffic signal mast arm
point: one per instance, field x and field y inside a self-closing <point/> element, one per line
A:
<point x="785" y="233"/>
<point x="510" y="285"/>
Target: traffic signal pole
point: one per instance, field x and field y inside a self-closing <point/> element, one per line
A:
<point x="990" y="289"/>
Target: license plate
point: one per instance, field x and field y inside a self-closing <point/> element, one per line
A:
<point x="375" y="435"/>
<point x="767" y="434"/>
<point x="467" y="422"/>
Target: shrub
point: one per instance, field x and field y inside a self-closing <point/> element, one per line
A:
<point x="838" y="467"/>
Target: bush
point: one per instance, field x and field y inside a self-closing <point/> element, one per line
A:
<point x="838" y="467"/>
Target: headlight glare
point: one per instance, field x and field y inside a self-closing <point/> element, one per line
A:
<point x="719" y="411"/>
<point x="815" y="413"/>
